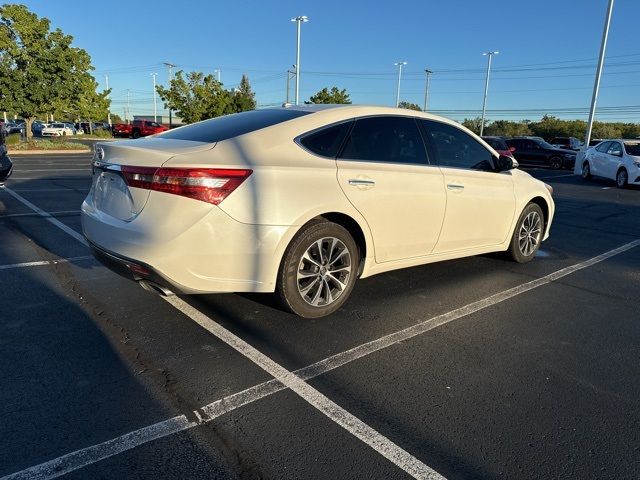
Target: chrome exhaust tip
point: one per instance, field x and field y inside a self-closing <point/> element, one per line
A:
<point x="155" y="288"/>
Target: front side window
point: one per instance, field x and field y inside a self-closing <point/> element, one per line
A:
<point x="603" y="147"/>
<point x="457" y="149"/>
<point x="326" y="142"/>
<point x="385" y="139"/>
<point x="615" y="149"/>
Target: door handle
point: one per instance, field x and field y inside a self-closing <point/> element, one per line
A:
<point x="358" y="182"/>
<point x="455" y="186"/>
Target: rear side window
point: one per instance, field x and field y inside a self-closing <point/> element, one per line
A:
<point x="229" y="126"/>
<point x="327" y="141"/>
<point x="385" y="139"/>
<point x="457" y="149"/>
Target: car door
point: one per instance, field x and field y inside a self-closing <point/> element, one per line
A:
<point x="599" y="159"/>
<point x="612" y="160"/>
<point x="384" y="171"/>
<point x="480" y="200"/>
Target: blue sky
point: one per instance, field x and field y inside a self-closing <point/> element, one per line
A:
<point x="550" y="47"/>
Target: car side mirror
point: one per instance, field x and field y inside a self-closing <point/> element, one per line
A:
<point x="505" y="163"/>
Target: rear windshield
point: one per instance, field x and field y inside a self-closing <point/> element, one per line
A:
<point x="229" y="126"/>
<point x="633" y="149"/>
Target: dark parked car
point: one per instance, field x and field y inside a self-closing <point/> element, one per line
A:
<point x="569" y="143"/>
<point x="534" y="151"/>
<point x="500" y="146"/>
<point x="6" y="167"/>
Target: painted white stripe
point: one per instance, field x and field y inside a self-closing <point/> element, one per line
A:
<point x="69" y="231"/>
<point x="87" y="456"/>
<point x="54" y="170"/>
<point x="339" y="415"/>
<point x="44" y="262"/>
<point x="286" y="379"/>
<point x="557" y="176"/>
<point x="31" y="214"/>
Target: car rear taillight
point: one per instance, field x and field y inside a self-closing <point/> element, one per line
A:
<point x="210" y="185"/>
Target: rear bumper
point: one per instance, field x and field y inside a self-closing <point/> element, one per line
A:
<point x="188" y="246"/>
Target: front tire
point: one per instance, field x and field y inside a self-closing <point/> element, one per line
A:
<point x="135" y="134"/>
<point x="527" y="235"/>
<point x="586" y="171"/>
<point x="622" y="178"/>
<point x="318" y="270"/>
<point x="555" y="163"/>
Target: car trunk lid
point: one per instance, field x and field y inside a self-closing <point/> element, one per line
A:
<point x="111" y="192"/>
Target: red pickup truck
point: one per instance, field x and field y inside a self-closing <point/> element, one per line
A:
<point x="137" y="129"/>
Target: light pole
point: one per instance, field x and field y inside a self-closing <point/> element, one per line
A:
<point x="169" y="67"/>
<point x="426" y="89"/>
<point x="486" y="87"/>
<point x="299" y="20"/>
<point x="399" y="65"/>
<point x="155" y="105"/>
<point x="106" y="79"/>
<point x="596" y="85"/>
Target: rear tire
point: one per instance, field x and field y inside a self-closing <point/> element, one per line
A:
<point x="555" y="163"/>
<point x="527" y="235"/>
<point x="318" y="270"/>
<point x="586" y="171"/>
<point x="622" y="178"/>
<point x="135" y="134"/>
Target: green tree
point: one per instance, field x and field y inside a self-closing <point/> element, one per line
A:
<point x="243" y="97"/>
<point x="409" y="106"/>
<point x="196" y="96"/>
<point x="473" y="124"/>
<point x="507" y="128"/>
<point x="40" y="70"/>
<point x="333" y="96"/>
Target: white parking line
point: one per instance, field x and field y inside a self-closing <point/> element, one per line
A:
<point x="89" y="455"/>
<point x="285" y="379"/>
<point x="557" y="176"/>
<point x="31" y="214"/>
<point x="55" y="170"/>
<point x="339" y="415"/>
<point x="44" y="262"/>
<point x="69" y="231"/>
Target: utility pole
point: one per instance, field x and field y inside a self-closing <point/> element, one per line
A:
<point x="290" y="75"/>
<point x="426" y="89"/>
<point x="170" y="66"/>
<point x="128" y="105"/>
<point x="486" y="87"/>
<point x="399" y="65"/>
<point x="299" y="21"/>
<point x="596" y="85"/>
<point x="106" y="79"/>
<point x="155" y="104"/>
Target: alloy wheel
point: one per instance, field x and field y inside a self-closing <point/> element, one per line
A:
<point x="324" y="272"/>
<point x="529" y="234"/>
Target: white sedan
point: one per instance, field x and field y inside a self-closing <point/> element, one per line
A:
<point x="302" y="201"/>
<point x="617" y="160"/>
<point x="57" y="130"/>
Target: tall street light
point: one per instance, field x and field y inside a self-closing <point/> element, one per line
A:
<point x="426" y="89"/>
<point x="170" y="67"/>
<point x="155" y="104"/>
<point x="596" y="85"/>
<point x="486" y="87"/>
<point x="399" y="65"/>
<point x="299" y="20"/>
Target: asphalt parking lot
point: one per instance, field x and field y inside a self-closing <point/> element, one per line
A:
<point x="474" y="368"/>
